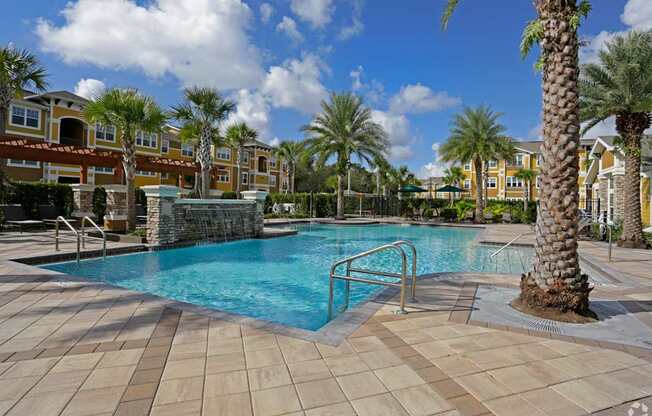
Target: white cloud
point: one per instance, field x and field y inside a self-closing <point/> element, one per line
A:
<point x="289" y="27"/>
<point x="275" y="141"/>
<point x="189" y="39"/>
<point x="421" y="99"/>
<point x="435" y="168"/>
<point x="374" y="92"/>
<point x="253" y="109"/>
<point x="356" y="75"/>
<point x="296" y="84"/>
<point x="89" y="88"/>
<point x="536" y="132"/>
<point x="356" y="27"/>
<point x="317" y="12"/>
<point x="266" y="12"/>
<point x="397" y="127"/>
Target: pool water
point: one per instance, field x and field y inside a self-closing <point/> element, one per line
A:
<point x="285" y="280"/>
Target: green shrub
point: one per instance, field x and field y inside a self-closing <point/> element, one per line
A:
<point x="31" y="195"/>
<point x="229" y="195"/>
<point x="448" y="214"/>
<point x="462" y="207"/>
<point x="99" y="203"/>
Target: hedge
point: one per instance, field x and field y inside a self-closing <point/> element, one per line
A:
<point x="323" y="205"/>
<point x="31" y="195"/>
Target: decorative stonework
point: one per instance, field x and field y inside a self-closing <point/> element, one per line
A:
<point x="116" y="207"/>
<point x="619" y="196"/>
<point x="82" y="195"/>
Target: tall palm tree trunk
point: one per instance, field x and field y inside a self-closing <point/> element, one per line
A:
<point x="205" y="162"/>
<point x="479" y="203"/>
<point x="291" y="167"/>
<point x="129" y="165"/>
<point x="239" y="170"/>
<point x="556" y="281"/>
<point x="630" y="127"/>
<point x="4" y="110"/>
<point x="340" y="197"/>
<point x="526" y="195"/>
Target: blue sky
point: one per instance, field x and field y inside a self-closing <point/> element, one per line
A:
<point x="278" y="58"/>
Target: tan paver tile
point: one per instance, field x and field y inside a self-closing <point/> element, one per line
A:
<point x="184" y="368"/>
<point x="512" y="406"/>
<point x="189" y="408"/>
<point x="179" y="390"/>
<point x="268" y="377"/>
<point x="187" y="351"/>
<point x="151" y="363"/>
<point x="517" y="379"/>
<point x="263" y="358"/>
<point x="483" y="386"/>
<point x="421" y="401"/>
<point x="224" y="346"/>
<point x="15" y="388"/>
<point x="417" y="362"/>
<point x="494" y="358"/>
<point x="226" y="383"/>
<point x="70" y="381"/>
<point x="43" y="404"/>
<point x="356" y="386"/>
<point x="399" y="377"/>
<point x="134" y="408"/>
<point x="448" y="388"/>
<point x="547" y="373"/>
<point x="108" y="377"/>
<point x="631" y="377"/>
<point x="224" y="363"/>
<point x="228" y="405"/>
<point x="77" y="362"/>
<point x="574" y="368"/>
<point x="340" y="409"/>
<point x="370" y="343"/>
<point x="384" y="404"/>
<point x="413" y="336"/>
<point x="309" y="371"/>
<point x="300" y="351"/>
<point x="468" y="405"/>
<point x="442" y="332"/>
<point x="223" y="329"/>
<point x="91" y="402"/>
<point x="346" y="364"/>
<point x="552" y="403"/>
<point x="147" y="376"/>
<point x="260" y="342"/>
<point x="329" y="351"/>
<point x="276" y="401"/>
<point x="456" y="365"/>
<point x="431" y="374"/>
<point x="30" y="368"/>
<point x="585" y="395"/>
<point x="566" y="348"/>
<point x="434" y="349"/>
<point x="380" y="359"/>
<point x="611" y="385"/>
<point x="140" y="391"/>
<point x="120" y="358"/>
<point x="319" y="393"/>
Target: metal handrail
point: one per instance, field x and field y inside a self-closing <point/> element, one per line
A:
<point x="414" y="264"/>
<point x="83" y="240"/>
<point x="494" y="254"/>
<point x="56" y="235"/>
<point x="348" y="278"/>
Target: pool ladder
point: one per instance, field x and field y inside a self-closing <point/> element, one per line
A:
<point x="79" y="236"/>
<point x="396" y="246"/>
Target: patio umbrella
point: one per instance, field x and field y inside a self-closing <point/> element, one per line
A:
<point x="412" y="189"/>
<point x="450" y="189"/>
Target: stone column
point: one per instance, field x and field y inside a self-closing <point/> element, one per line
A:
<point x="259" y="197"/>
<point x="115" y="217"/>
<point x="619" y="196"/>
<point x="82" y="195"/>
<point x="160" y="214"/>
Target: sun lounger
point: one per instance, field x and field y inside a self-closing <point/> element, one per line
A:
<point x="14" y="215"/>
<point x="49" y="214"/>
<point x="507" y="217"/>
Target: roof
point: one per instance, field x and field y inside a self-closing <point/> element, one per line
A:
<point x="65" y="95"/>
<point x="259" y="144"/>
<point x="534" y="146"/>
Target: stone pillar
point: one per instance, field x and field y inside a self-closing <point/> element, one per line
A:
<point x="259" y="197"/>
<point x="115" y="217"/>
<point x="603" y="194"/>
<point x="619" y="196"/>
<point x="82" y="195"/>
<point x="160" y="214"/>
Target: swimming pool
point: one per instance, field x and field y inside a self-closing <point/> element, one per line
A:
<point x="285" y="280"/>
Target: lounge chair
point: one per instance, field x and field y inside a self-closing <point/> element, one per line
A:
<point x="15" y="215"/>
<point x="489" y="216"/>
<point x="49" y="214"/>
<point x="507" y="217"/>
<point x="469" y="216"/>
<point x="141" y="214"/>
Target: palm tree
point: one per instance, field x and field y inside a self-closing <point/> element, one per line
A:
<point x="290" y="152"/>
<point x="621" y="86"/>
<point x="19" y="70"/>
<point x="343" y="130"/>
<point x="237" y="136"/>
<point x="130" y="113"/>
<point x="526" y="176"/>
<point x="476" y="137"/>
<point x="201" y="113"/>
<point x="556" y="281"/>
<point x="453" y="176"/>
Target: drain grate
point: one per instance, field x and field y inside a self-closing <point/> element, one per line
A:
<point x="544" y="326"/>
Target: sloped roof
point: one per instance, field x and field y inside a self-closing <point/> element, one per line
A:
<point x="65" y="95"/>
<point x="534" y="146"/>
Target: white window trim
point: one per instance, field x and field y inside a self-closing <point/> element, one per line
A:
<point x="104" y="139"/>
<point x="467" y="166"/>
<point x="187" y="150"/>
<point x="492" y="162"/>
<point x="146" y="173"/>
<point x="167" y="147"/>
<point x="513" y="179"/>
<point x="467" y="184"/>
<point x="142" y="142"/>
<point x="102" y="171"/>
<point x="25" y="126"/>
<point x="272" y="180"/>
<point x="244" y="178"/>
<point x="22" y="164"/>
<point x="492" y="180"/>
<point x="223" y="151"/>
<point x="223" y="177"/>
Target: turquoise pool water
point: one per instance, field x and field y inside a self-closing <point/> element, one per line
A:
<point x="285" y="280"/>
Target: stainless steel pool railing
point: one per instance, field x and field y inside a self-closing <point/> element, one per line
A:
<point x="56" y="235"/>
<point x="396" y="246"/>
<point x="101" y="231"/>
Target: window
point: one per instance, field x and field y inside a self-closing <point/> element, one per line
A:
<point x="25" y="117"/>
<point x="18" y="163"/>
<point x="145" y="173"/>
<point x="492" y="164"/>
<point x="165" y="145"/>
<point x="514" y="182"/>
<point x="106" y="133"/>
<point x="187" y="149"/>
<point x="146" y="139"/>
<point x="103" y="170"/>
<point x="518" y="160"/>
<point x="245" y="157"/>
<point x="272" y="162"/>
<point x="224" y="153"/>
<point x="539" y="160"/>
<point x="272" y="180"/>
<point x="223" y="176"/>
<point x="492" y="182"/>
<point x="165" y="175"/>
<point x="467" y="166"/>
<point x="245" y="178"/>
<point x="467" y="184"/>
<point x="538" y="182"/>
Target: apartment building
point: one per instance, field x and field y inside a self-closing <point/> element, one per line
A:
<point x="57" y="117"/>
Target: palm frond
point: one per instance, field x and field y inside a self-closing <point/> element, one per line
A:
<point x="451" y="5"/>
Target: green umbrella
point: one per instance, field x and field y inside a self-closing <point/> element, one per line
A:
<point x="412" y="188"/>
<point x="450" y="188"/>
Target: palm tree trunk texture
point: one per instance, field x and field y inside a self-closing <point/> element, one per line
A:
<point x="205" y="162"/>
<point x="239" y="178"/>
<point x="340" y="197"/>
<point x="291" y="167"/>
<point x="4" y="110"/>
<point x="556" y="281"/>
<point x="526" y="195"/>
<point x="479" y="203"/>
<point x="129" y="165"/>
<point x="630" y="127"/>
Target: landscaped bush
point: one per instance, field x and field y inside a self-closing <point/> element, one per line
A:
<point x="323" y="205"/>
<point x="462" y="207"/>
<point x="31" y="195"/>
<point x="448" y="214"/>
<point x="99" y="203"/>
<point x="229" y="195"/>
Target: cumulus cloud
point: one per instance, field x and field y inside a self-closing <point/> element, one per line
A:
<point x="289" y="27"/>
<point x="356" y="76"/>
<point x="356" y="27"/>
<point x="374" y="91"/>
<point x="197" y="41"/>
<point x="252" y="108"/>
<point x="398" y="130"/>
<point x="266" y="12"/>
<point x="435" y="168"/>
<point x="296" y="84"/>
<point x="418" y="98"/>
<point x="316" y="12"/>
<point x="89" y="88"/>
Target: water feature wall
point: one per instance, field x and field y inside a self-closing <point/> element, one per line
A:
<point x="172" y="220"/>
